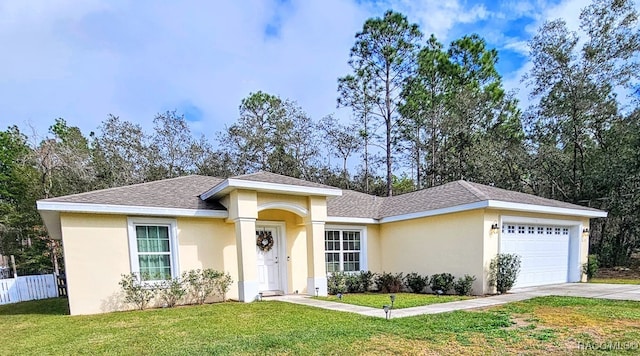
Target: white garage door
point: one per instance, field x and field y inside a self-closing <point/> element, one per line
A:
<point x="544" y="250"/>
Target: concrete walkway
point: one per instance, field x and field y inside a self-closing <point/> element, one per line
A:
<point x="588" y="290"/>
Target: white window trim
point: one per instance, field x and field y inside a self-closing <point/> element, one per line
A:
<point x="364" y="265"/>
<point x="132" y="222"/>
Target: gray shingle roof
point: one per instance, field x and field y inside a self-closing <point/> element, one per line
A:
<point x="184" y="192"/>
<point x="354" y="204"/>
<point x="181" y="192"/>
<point x="460" y="193"/>
<point x="268" y="177"/>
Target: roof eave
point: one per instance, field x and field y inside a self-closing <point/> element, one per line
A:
<point x="230" y="184"/>
<point x="50" y="206"/>
<point x="587" y="213"/>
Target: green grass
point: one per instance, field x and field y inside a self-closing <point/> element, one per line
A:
<point x="403" y="300"/>
<point x="542" y="325"/>
<point x="615" y="280"/>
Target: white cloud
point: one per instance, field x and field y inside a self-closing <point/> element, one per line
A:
<point x="84" y="60"/>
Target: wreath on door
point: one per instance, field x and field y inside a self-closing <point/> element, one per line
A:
<point x="265" y="241"/>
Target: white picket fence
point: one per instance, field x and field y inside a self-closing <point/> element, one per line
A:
<point x="21" y="289"/>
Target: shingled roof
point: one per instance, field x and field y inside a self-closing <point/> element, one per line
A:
<point x="268" y="177"/>
<point x="185" y="192"/>
<point x="181" y="193"/>
<point x="461" y="193"/>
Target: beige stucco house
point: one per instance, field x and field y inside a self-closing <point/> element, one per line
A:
<point x="173" y="225"/>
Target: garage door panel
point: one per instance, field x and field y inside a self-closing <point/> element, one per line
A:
<point x="544" y="252"/>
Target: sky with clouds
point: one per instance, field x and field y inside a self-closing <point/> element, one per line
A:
<point x="85" y="59"/>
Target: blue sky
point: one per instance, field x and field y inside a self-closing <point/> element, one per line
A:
<point x="83" y="60"/>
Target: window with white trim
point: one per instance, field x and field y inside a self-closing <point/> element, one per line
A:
<point x="153" y="248"/>
<point x="343" y="250"/>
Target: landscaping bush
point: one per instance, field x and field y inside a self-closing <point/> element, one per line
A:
<point x="353" y="284"/>
<point x="223" y="284"/>
<point x="201" y="283"/>
<point x="504" y="269"/>
<point x="366" y="280"/>
<point x="441" y="282"/>
<point x="415" y="282"/>
<point x="136" y="291"/>
<point x="389" y="282"/>
<point x="591" y="267"/>
<point x="171" y="291"/>
<point x="463" y="285"/>
<point x="337" y="283"/>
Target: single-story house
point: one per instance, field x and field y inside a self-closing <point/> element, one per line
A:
<point x="305" y="230"/>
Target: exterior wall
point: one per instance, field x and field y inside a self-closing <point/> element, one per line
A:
<point x="208" y="243"/>
<point x="374" y="252"/>
<point x="264" y="198"/>
<point x="296" y="247"/>
<point x="96" y="253"/>
<point x="451" y="243"/>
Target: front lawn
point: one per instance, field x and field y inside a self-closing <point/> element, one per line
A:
<point x="403" y="300"/>
<point x="615" y="280"/>
<point x="541" y="325"/>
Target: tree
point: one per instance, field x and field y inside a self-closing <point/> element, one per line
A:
<point x="459" y="123"/>
<point x="21" y="231"/>
<point x="382" y="59"/>
<point x="171" y="145"/>
<point x="119" y="153"/>
<point x="581" y="135"/>
<point x="357" y="93"/>
<point x="576" y="88"/>
<point x="272" y="135"/>
<point x="341" y="141"/>
<point x="424" y="108"/>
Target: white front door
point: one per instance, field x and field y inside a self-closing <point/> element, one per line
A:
<point x="268" y="259"/>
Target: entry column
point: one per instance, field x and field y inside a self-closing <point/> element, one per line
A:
<point x="243" y="211"/>
<point x="316" y="269"/>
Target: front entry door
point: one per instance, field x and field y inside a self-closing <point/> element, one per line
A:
<point x="268" y="259"/>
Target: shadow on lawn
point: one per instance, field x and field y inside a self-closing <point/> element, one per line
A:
<point x="52" y="306"/>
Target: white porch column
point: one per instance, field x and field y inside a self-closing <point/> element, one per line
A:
<point x="247" y="267"/>
<point x="317" y="275"/>
<point x="243" y="211"/>
<point x="316" y="269"/>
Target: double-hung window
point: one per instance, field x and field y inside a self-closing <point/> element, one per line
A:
<point x="153" y="248"/>
<point x="344" y="250"/>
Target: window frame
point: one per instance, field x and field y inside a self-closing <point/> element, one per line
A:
<point x="363" y="246"/>
<point x="171" y="224"/>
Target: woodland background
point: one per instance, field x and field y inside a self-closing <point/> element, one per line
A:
<point x="423" y="113"/>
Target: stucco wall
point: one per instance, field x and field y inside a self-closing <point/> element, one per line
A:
<point x="450" y="243"/>
<point x="96" y="252"/>
<point x="208" y="243"/>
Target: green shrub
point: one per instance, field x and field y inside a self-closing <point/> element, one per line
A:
<point x="442" y="282"/>
<point x="389" y="282"/>
<point x="137" y="292"/>
<point x="171" y="291"/>
<point x="504" y="270"/>
<point x="337" y="283"/>
<point x="591" y="267"/>
<point x="415" y="282"/>
<point x="463" y="286"/>
<point x="223" y="284"/>
<point x="366" y="280"/>
<point x="353" y="284"/>
<point x="201" y="283"/>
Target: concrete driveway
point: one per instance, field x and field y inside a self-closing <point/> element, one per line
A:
<point x="587" y="290"/>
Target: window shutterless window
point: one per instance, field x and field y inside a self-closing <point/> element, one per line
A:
<point x="343" y="250"/>
<point x="153" y="248"/>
